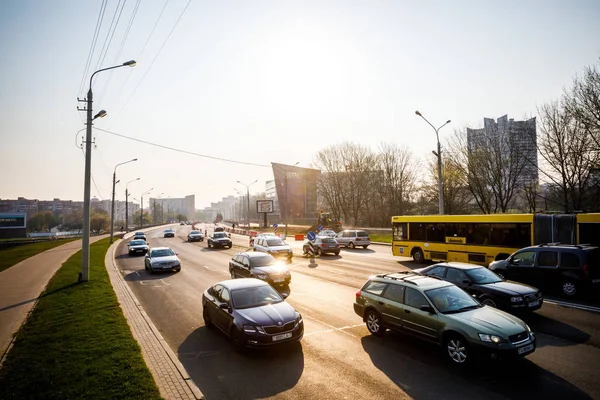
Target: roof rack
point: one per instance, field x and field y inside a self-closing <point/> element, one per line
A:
<point x="578" y="246"/>
<point x="409" y="274"/>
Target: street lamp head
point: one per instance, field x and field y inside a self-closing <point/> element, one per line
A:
<point x="130" y="63"/>
<point x="448" y="121"/>
<point x="418" y="113"/>
<point x="135" y="159"/>
<point x="101" y="114"/>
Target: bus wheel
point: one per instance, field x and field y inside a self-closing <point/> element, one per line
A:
<point x="418" y="256"/>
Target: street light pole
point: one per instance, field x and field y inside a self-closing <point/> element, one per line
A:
<point x="112" y="207"/>
<point x="84" y="275"/>
<point x="127" y="205"/>
<point x="439" y="162"/>
<point x="142" y="208"/>
<point x="288" y="210"/>
<point x="248" y="201"/>
<point x="154" y="208"/>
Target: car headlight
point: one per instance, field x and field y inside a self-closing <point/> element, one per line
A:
<point x="484" y="337"/>
<point x="299" y="320"/>
<point x="516" y="299"/>
<point x="253" y="329"/>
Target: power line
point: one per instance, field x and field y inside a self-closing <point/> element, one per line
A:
<point x="157" y="54"/>
<point x="182" y="151"/>
<point x="111" y="32"/>
<point x="93" y="45"/>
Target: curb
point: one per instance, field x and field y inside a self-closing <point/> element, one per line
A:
<point x="183" y="376"/>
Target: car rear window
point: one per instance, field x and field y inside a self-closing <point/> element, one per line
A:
<point x="362" y="234"/>
<point x="569" y="260"/>
<point x="275" y="242"/>
<point x="374" y="287"/>
<point x="194" y="232"/>
<point x="263" y="261"/>
<point x="593" y="258"/>
<point x="328" y="240"/>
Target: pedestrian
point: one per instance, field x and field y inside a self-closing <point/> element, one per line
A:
<point x="122" y="228"/>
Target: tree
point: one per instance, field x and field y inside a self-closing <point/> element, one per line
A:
<point x="42" y="221"/>
<point x="99" y="221"/>
<point x="136" y="218"/>
<point x="582" y="102"/>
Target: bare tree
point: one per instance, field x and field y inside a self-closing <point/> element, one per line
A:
<point x="582" y="101"/>
<point x="398" y="180"/>
<point x="570" y="153"/>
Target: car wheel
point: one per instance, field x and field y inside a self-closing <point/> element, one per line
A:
<point x="364" y="247"/>
<point x="569" y="288"/>
<point x="351" y="245"/>
<point x="230" y="245"/>
<point x="207" y="321"/>
<point x="237" y="340"/>
<point x="178" y="269"/>
<point x="319" y="252"/>
<point x="489" y="302"/>
<point x="337" y="253"/>
<point x="374" y="324"/>
<point x="457" y="349"/>
<point x="209" y="245"/>
<point x="418" y="256"/>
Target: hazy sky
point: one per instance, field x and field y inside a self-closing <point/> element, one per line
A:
<point x="263" y="81"/>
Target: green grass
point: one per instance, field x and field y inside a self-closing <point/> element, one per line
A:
<point x="16" y="254"/>
<point x="380" y="238"/>
<point x="76" y="343"/>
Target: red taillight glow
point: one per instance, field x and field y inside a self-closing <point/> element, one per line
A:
<point x="323" y="245"/>
<point x="357" y="294"/>
<point x="585" y="271"/>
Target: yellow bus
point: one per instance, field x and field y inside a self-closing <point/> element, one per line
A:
<point x="481" y="239"/>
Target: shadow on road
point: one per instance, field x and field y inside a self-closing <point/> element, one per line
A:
<point x="221" y="373"/>
<point x="409" y="362"/>
<point x="542" y="324"/>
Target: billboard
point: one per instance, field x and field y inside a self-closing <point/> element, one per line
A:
<point x="264" y="206"/>
<point x="13" y="220"/>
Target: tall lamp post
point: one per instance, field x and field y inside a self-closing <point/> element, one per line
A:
<point x="142" y="208"/>
<point x="84" y="275"/>
<point x="439" y="161"/>
<point x="288" y="210"/>
<point x="126" y="205"/>
<point x="248" y="201"/>
<point x="112" y="206"/>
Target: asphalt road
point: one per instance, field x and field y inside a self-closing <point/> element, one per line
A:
<point x="338" y="358"/>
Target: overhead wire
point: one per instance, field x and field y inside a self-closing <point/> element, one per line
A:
<point x="182" y="151"/>
<point x="110" y="34"/>
<point x="143" y="49"/>
<point x="93" y="46"/>
<point x="122" y="45"/>
<point x="157" y="54"/>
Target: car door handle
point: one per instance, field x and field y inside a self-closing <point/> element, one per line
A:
<point x="407" y="311"/>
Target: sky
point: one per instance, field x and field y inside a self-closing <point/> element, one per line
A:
<point x="223" y="88"/>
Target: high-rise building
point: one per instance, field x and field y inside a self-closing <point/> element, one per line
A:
<point x="510" y="136"/>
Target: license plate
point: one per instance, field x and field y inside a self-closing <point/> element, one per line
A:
<point x="283" y="336"/>
<point x="525" y="349"/>
<point x="534" y="303"/>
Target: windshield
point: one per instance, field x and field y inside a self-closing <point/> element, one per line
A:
<point x="162" y="253"/>
<point x="169" y="230"/>
<point x="451" y="299"/>
<point x="263" y="261"/>
<point x="255" y="297"/>
<point x="139" y="234"/>
<point x="137" y="242"/>
<point x="195" y="232"/>
<point x="219" y="235"/>
<point x="482" y="275"/>
<point x="275" y="242"/>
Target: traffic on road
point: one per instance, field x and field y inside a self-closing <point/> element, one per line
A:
<point x="554" y="349"/>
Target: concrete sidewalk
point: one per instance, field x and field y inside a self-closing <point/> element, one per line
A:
<point x="23" y="283"/>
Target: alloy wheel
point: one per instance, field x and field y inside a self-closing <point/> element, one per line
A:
<point x="489" y="302"/>
<point x="457" y="350"/>
<point x="569" y="288"/>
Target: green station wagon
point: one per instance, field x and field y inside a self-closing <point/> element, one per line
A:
<point x="442" y="313"/>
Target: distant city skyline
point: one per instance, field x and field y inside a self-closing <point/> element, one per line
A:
<point x="221" y="90"/>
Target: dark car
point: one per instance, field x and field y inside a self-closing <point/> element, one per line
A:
<point x="569" y="269"/>
<point x="139" y="235"/>
<point x="137" y="246"/>
<point x="261" y="266"/>
<point x="219" y="239"/>
<point x="440" y="312"/>
<point x="251" y="313"/>
<point x="169" y="233"/>
<point x="487" y="287"/>
<point x="195" y="236"/>
<point x="321" y="245"/>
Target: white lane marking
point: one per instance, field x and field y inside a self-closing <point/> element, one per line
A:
<point x="137" y="273"/>
<point x="573" y="305"/>
<point x="165" y="283"/>
<point x="331" y="327"/>
<point x="341" y="329"/>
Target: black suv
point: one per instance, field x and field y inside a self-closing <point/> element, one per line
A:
<point x="572" y="268"/>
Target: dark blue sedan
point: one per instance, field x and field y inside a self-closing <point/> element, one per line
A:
<point x="251" y="313"/>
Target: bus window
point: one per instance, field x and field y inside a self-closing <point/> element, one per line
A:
<point x="456" y="230"/>
<point x="436" y="233"/>
<point x="417" y="231"/>
<point x="401" y="231"/>
<point x="478" y="233"/>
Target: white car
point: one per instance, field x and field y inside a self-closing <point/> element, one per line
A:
<point x="353" y="238"/>
<point x="273" y="245"/>
<point x="162" y="259"/>
<point x="327" y="232"/>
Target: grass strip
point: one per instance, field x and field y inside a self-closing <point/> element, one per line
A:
<point x="380" y="238"/>
<point x="76" y="343"/>
<point x="14" y="255"/>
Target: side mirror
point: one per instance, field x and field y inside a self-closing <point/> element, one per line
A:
<point x="224" y="306"/>
<point x="466" y="282"/>
<point x="426" y="308"/>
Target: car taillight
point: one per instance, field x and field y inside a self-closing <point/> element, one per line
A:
<point x="322" y="245"/>
<point x="357" y="239"/>
<point x="357" y="295"/>
<point x="585" y="271"/>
